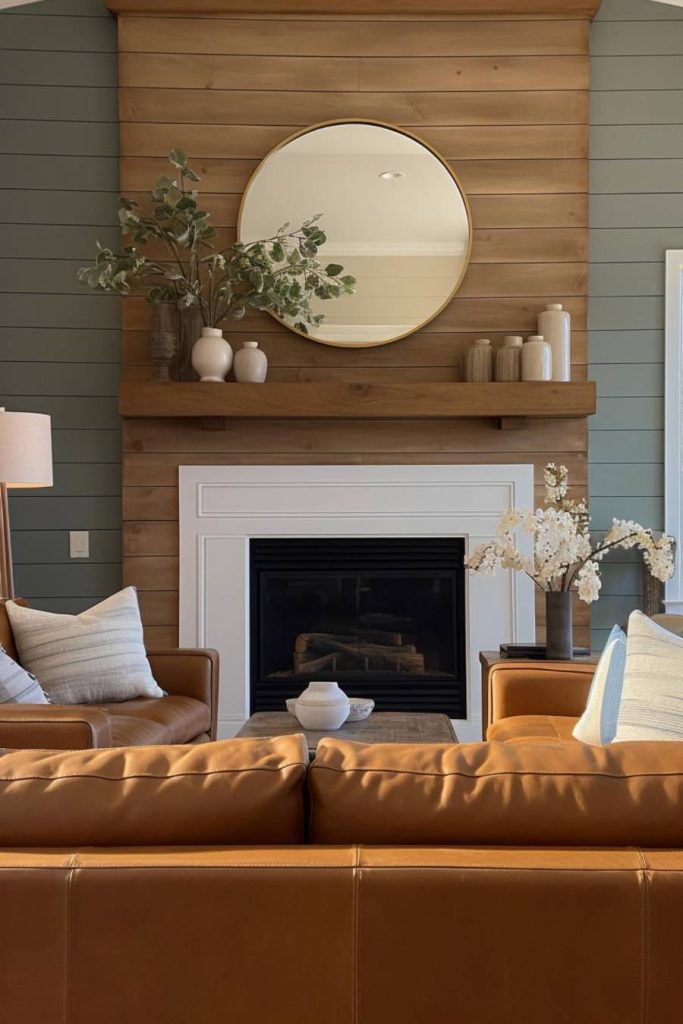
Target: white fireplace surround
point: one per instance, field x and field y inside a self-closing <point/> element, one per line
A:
<point x="222" y="507"/>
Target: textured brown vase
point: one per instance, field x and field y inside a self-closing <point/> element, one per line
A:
<point x="189" y="329"/>
<point x="559" y="634"/>
<point x="163" y="339"/>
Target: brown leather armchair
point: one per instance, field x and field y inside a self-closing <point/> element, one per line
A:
<point x="187" y="715"/>
<point x="536" y="699"/>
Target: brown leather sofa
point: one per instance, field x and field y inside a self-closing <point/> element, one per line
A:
<point x="186" y="715"/>
<point x="536" y="700"/>
<point x="487" y="883"/>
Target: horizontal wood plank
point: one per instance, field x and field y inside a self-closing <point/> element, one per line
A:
<point x="478" y="177"/>
<point x="247" y="142"/>
<point x="514" y="315"/>
<point x="150" y="538"/>
<point x="410" y="110"/>
<point x="343" y="74"/>
<point x="397" y="438"/>
<point x="539" y="211"/>
<point x="432" y="38"/>
<point x="160" y="469"/>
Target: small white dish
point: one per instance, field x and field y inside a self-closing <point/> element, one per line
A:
<point x="361" y="708"/>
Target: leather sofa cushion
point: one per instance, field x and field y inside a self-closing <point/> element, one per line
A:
<point x="157" y="720"/>
<point x="234" y="792"/>
<point x="535" y="794"/>
<point x="521" y="727"/>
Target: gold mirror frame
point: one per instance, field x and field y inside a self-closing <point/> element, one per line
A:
<point x="442" y="160"/>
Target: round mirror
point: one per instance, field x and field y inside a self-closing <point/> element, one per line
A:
<point x="394" y="215"/>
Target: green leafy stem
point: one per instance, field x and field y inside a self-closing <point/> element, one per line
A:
<point x="281" y="274"/>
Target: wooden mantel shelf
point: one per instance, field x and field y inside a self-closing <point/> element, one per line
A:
<point x="504" y="402"/>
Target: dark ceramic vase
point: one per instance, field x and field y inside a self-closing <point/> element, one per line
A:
<point x="559" y="634"/>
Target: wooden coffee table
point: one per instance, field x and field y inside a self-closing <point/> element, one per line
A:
<point x="380" y="727"/>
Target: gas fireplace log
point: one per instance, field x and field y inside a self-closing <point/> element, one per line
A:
<point x="375" y="656"/>
<point x="325" y="642"/>
<point x="304" y="664"/>
<point x="348" y="632"/>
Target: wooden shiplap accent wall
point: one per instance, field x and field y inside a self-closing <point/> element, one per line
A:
<point x="505" y="100"/>
<point x="59" y="345"/>
<point x="636" y="213"/>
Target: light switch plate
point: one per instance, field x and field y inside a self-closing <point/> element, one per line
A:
<point x="79" y="544"/>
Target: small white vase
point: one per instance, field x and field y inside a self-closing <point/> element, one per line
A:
<point x="554" y="324"/>
<point x="212" y="355"/>
<point x="251" y="364"/>
<point x="322" y="706"/>
<point x="536" y="359"/>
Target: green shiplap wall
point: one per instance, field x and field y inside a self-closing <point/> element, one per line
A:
<point x="636" y="213"/>
<point x="59" y="345"/>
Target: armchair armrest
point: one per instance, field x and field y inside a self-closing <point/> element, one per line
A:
<point x="538" y="688"/>
<point x="53" y="727"/>
<point x="189" y="672"/>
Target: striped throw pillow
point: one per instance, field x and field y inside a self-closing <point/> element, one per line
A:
<point x="96" y="656"/>
<point x="17" y="686"/>
<point x="652" y="696"/>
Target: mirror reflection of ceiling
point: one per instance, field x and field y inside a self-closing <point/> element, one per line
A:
<point x="394" y="217"/>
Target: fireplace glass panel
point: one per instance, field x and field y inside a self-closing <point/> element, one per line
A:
<point x="383" y="617"/>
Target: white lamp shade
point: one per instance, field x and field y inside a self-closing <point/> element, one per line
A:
<point x="25" y="449"/>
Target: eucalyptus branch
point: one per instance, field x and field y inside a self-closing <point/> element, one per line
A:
<point x="280" y="274"/>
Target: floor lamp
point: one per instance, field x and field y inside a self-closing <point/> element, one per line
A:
<point x="25" y="461"/>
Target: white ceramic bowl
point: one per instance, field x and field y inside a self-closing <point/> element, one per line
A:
<point x="322" y="716"/>
<point x="361" y="708"/>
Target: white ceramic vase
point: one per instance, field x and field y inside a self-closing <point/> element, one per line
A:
<point x="537" y="359"/>
<point x="554" y="324"/>
<point x="251" y="364"/>
<point x="322" y="706"/>
<point x="212" y="355"/>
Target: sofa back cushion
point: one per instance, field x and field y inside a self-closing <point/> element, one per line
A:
<point x="555" y="794"/>
<point x="234" y="792"/>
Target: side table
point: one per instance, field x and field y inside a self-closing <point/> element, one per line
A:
<point x="488" y="659"/>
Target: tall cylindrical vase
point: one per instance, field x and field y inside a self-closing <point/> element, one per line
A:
<point x="558" y="624"/>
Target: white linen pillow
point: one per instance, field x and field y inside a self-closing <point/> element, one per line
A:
<point x="652" y="696"/>
<point x="96" y="656"/>
<point x="17" y="686"/>
<point x="598" y="723"/>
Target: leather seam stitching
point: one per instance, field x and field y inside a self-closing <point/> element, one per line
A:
<point x="145" y="866"/>
<point x="645" y="936"/>
<point x="73" y="859"/>
<point x="356" y="935"/>
<point x="154" y="778"/>
<point x="494" y="775"/>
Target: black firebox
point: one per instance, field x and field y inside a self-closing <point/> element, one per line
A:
<point x="384" y="617"/>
